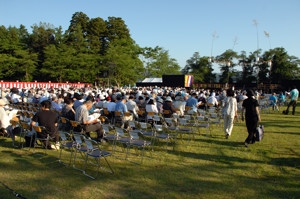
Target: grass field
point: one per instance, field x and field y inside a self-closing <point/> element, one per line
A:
<point x="210" y="167"/>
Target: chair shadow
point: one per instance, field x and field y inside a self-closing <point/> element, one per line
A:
<point x="218" y="142"/>
<point x="290" y="162"/>
<point x="291" y="133"/>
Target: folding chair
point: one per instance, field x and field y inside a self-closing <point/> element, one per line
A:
<point x="14" y="124"/>
<point x="26" y="132"/>
<point x="109" y="134"/>
<point x="141" y="116"/>
<point x="109" y="115"/>
<point x="67" y="143"/>
<point x="104" y="120"/>
<point x="151" y="114"/>
<point x="41" y="129"/>
<point x="216" y="119"/>
<point x="79" y="148"/>
<point x="172" y="127"/>
<point x="122" y="138"/>
<point x="185" y="128"/>
<point x="166" y="113"/>
<point x="157" y="119"/>
<point x="146" y="130"/>
<point x="94" y="151"/>
<point x="159" y="134"/>
<point x="65" y="124"/>
<point x="136" y="142"/>
<point x="76" y="127"/>
<point x="118" y="119"/>
<point x="203" y="122"/>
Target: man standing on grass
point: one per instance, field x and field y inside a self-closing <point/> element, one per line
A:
<point x="293" y="102"/>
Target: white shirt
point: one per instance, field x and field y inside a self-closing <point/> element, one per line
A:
<point x="212" y="100"/>
<point x="151" y="108"/>
<point x="15" y="98"/>
<point x="231" y="104"/>
<point x="4" y="118"/>
<point x="180" y="105"/>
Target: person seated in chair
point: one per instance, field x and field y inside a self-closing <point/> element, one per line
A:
<point x="168" y="106"/>
<point x="81" y="116"/>
<point x="47" y="119"/>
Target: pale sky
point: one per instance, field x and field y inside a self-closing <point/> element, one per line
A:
<point x="181" y="27"/>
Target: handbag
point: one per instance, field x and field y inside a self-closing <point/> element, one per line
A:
<point x="259" y="133"/>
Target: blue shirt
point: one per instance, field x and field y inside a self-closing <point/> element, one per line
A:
<point x="120" y="106"/>
<point x="192" y="102"/>
<point x="273" y="100"/>
<point x="281" y="98"/>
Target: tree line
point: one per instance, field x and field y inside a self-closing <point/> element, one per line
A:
<point x="97" y="50"/>
<point x="272" y="66"/>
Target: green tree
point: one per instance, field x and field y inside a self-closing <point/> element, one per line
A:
<point x="284" y="67"/>
<point x="97" y="35"/>
<point x="227" y="65"/>
<point x="117" y="29"/>
<point x="200" y="68"/>
<point x="58" y="63"/>
<point x="247" y="63"/>
<point x="17" y="63"/>
<point x="122" y="63"/>
<point x="79" y="19"/>
<point x="158" y="62"/>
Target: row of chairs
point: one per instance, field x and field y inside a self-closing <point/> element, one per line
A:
<point x="80" y="145"/>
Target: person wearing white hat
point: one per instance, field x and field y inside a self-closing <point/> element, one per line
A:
<point x="168" y="105"/>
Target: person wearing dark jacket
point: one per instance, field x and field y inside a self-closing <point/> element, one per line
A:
<point x="250" y="105"/>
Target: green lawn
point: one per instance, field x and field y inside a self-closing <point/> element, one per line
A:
<point x="210" y="167"/>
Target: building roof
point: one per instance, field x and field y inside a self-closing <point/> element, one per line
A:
<point x="152" y="80"/>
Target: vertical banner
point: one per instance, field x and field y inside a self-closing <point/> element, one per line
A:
<point x="188" y="80"/>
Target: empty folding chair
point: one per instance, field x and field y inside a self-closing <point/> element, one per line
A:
<point x="203" y="122"/>
<point x="146" y="130"/>
<point x="160" y="134"/>
<point x="94" y="151"/>
<point x="79" y="149"/>
<point x="66" y="142"/>
<point x="137" y="143"/>
<point x="157" y="119"/>
<point x="171" y="126"/>
<point x="121" y="138"/>
<point x="185" y="128"/>
<point x="216" y="119"/>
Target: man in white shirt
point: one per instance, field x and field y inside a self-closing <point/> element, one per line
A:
<point x="212" y="100"/>
<point x="131" y="106"/>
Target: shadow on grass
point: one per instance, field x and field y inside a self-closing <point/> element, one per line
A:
<point x="216" y="158"/>
<point x="290" y="162"/>
<point x="218" y="142"/>
<point x="291" y="133"/>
